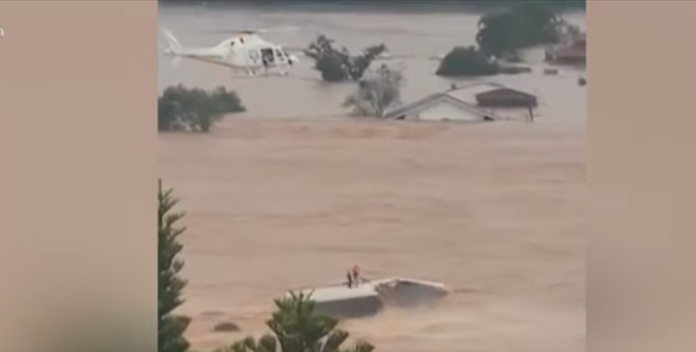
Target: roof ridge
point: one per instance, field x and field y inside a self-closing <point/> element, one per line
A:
<point x="446" y="95"/>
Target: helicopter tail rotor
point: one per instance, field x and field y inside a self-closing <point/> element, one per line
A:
<point x="173" y="46"/>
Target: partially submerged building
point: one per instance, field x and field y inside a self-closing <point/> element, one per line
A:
<point x="574" y="52"/>
<point x="441" y="107"/>
<point x="346" y="302"/>
<point x="370" y="297"/>
<point x="477" y="102"/>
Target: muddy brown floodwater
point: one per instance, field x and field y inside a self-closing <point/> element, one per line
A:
<point x="495" y="211"/>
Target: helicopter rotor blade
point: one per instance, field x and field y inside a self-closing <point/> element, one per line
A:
<point x="255" y="30"/>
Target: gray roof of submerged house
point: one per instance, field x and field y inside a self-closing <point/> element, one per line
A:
<point x="470" y="93"/>
<point x="436" y="98"/>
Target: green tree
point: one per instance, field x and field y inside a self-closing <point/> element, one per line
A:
<point x="524" y="24"/>
<point x="376" y="93"/>
<point x="296" y="327"/>
<point x="195" y="109"/>
<point x="337" y="64"/>
<point x="467" y="61"/>
<point x="171" y="327"/>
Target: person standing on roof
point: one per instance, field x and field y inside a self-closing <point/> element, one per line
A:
<point x="349" y="276"/>
<point x="355" y="272"/>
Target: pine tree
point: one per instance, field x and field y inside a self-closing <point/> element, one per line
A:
<point x="170" y="285"/>
<point x="297" y="327"/>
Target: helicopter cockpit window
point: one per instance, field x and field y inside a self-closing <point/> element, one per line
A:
<point x="267" y="55"/>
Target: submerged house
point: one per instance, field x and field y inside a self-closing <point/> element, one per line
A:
<point x="344" y="302"/>
<point x="574" y="52"/>
<point x="371" y="297"/>
<point x="441" y="107"/>
<point x="471" y="103"/>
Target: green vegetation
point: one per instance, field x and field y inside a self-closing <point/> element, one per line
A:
<point x="171" y="327"/>
<point x="467" y="61"/>
<point x="522" y="25"/>
<point x="338" y="65"/>
<point x="192" y="109"/>
<point x="525" y="24"/>
<point x="376" y="93"/>
<point x="296" y="327"/>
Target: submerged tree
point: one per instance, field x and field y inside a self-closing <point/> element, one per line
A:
<point x="296" y="327"/>
<point x="171" y="327"/>
<point x="501" y="35"/>
<point x="337" y="64"/>
<point x="523" y="25"/>
<point x="376" y="93"/>
<point x="195" y="109"/>
<point x="467" y="61"/>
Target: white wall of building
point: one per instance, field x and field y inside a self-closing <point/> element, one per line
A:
<point x="445" y="110"/>
<point x="517" y="114"/>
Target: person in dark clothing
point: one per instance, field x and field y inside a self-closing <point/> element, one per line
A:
<point x="349" y="276"/>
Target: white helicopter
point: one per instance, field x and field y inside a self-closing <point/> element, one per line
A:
<point x="245" y="53"/>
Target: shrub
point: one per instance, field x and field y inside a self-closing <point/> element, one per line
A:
<point x="297" y="327"/>
<point x="467" y="61"/>
<point x="337" y="64"/>
<point x="181" y="108"/>
<point x="376" y="93"/>
<point x="524" y="24"/>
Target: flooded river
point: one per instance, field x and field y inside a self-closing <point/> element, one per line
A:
<point x="494" y="211"/>
<point x="418" y="35"/>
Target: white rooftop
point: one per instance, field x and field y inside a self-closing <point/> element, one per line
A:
<point x="411" y="281"/>
<point x="340" y="292"/>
